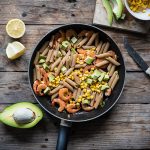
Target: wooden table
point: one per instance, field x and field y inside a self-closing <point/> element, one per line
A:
<point x="127" y="126"/>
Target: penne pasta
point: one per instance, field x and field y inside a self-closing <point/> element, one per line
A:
<point x="115" y="81"/>
<point x="82" y="42"/>
<point x="74" y="60"/>
<point x="52" y="57"/>
<point x="113" y="61"/>
<point x="61" y="63"/>
<point x="100" y="64"/>
<point x="70" y="33"/>
<point x="106" y="47"/>
<point x="45" y="51"/>
<point x="112" y="78"/>
<point x="91" y="40"/>
<point x="104" y="55"/>
<point x="71" y="82"/>
<point x="78" y="41"/>
<point x="109" y="66"/>
<point x="80" y="66"/>
<point x="36" y="58"/>
<point x="74" y="93"/>
<point x="56" y="90"/>
<point x="99" y="47"/>
<point x="49" y="55"/>
<point x="93" y="100"/>
<point x="76" y="78"/>
<point x="96" y="41"/>
<point x="78" y="93"/>
<point x="102" y="48"/>
<point x="55" y="63"/>
<point x="63" y="52"/>
<point x="38" y="74"/>
<point x="88" y="47"/>
<point x="51" y="42"/>
<point x="44" y="47"/>
<point x="54" y="96"/>
<point x="69" y="72"/>
<point x="112" y="70"/>
<point x="68" y="86"/>
<point x="34" y="74"/>
<point x="98" y="100"/>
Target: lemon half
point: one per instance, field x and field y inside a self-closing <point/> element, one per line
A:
<point x="15" y="50"/>
<point x="15" y="28"/>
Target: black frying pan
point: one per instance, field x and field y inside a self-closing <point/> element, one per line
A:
<point x="82" y="115"/>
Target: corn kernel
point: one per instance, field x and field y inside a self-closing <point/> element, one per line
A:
<point x="84" y="90"/>
<point x="92" y="68"/>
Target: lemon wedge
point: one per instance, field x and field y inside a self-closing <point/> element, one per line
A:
<point x="15" y="50"/>
<point x="15" y="28"/>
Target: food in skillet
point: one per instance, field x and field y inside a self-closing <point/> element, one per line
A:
<point x="76" y="69"/>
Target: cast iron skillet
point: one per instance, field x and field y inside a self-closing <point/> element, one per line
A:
<point x="80" y="116"/>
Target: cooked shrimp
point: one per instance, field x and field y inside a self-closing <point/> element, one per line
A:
<point x="64" y="94"/>
<point x="40" y="88"/>
<point x="35" y="85"/>
<point x="81" y="51"/>
<point x="87" y="108"/>
<point x="60" y="102"/>
<point x="71" y="108"/>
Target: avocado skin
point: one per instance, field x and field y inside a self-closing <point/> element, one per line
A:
<point x="108" y="8"/>
<point x="118" y="8"/>
<point x="6" y="116"/>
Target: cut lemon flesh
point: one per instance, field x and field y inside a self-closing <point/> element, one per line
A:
<point x="15" y="28"/>
<point x="15" y="50"/>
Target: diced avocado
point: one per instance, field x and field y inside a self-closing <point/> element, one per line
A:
<point x="63" y="69"/>
<point x="51" y="77"/>
<point x="89" y="60"/>
<point x="46" y="91"/>
<point x="42" y="57"/>
<point x="41" y="61"/>
<point x="106" y="77"/>
<point x="103" y="87"/>
<point x="45" y="66"/>
<point x="100" y="79"/>
<point x="74" y="40"/>
<point x="117" y="8"/>
<point x="89" y="81"/>
<point x="109" y="11"/>
<point x="96" y="74"/>
<point x="65" y="44"/>
<point x="85" y="101"/>
<point x="73" y="50"/>
<point x="21" y="115"/>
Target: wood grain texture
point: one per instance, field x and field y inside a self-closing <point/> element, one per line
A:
<point x="127" y="126"/>
<point x="14" y="87"/>
<point x="129" y="23"/>
<point x="47" y="11"/>
<point x="35" y="33"/>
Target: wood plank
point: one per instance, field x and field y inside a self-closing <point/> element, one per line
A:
<point x="47" y="12"/>
<point x="34" y="33"/>
<point x="127" y="126"/>
<point x="14" y="87"/>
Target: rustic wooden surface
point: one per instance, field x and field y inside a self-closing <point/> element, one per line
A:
<point x="127" y="126"/>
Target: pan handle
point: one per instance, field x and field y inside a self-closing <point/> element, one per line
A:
<point x="63" y="135"/>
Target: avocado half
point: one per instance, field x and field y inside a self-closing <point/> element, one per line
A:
<point x="21" y="115"/>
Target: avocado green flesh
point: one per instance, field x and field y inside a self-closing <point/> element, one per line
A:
<point x="6" y="116"/>
<point x="117" y="8"/>
<point x="109" y="11"/>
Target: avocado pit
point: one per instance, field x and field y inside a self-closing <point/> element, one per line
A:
<point x="24" y="116"/>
